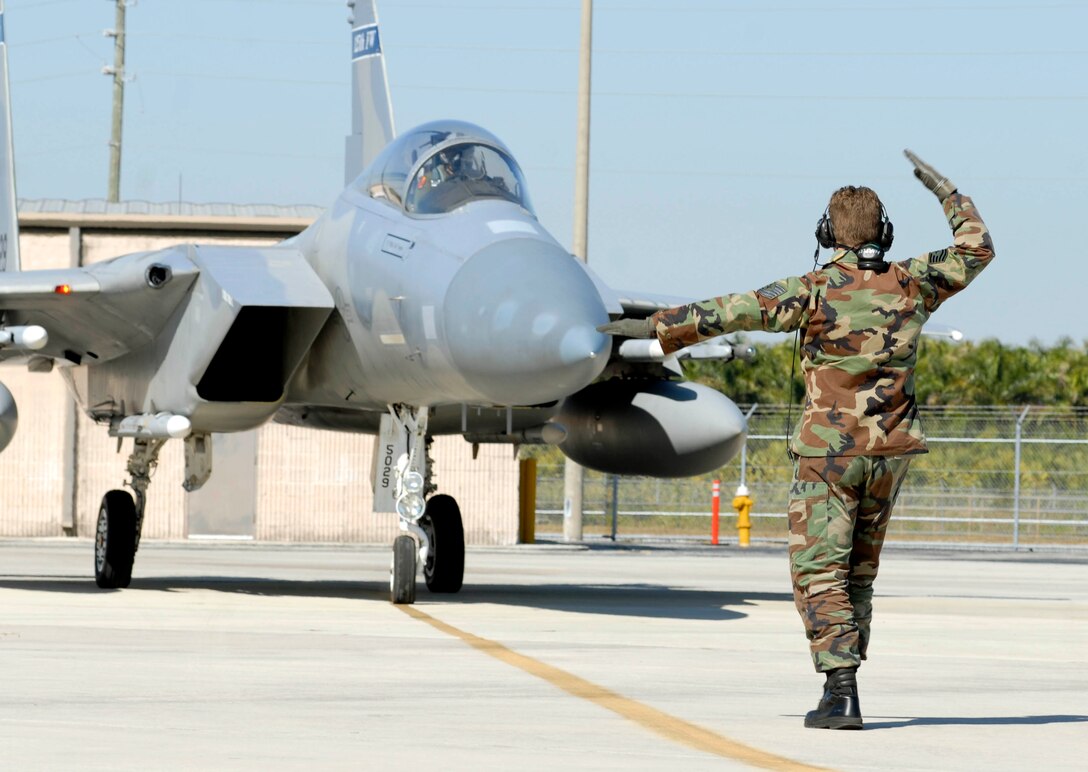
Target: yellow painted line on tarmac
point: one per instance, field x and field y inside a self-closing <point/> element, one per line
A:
<point x="669" y="727"/>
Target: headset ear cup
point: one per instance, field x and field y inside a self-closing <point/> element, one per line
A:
<point x="887" y="230"/>
<point x="887" y="234"/>
<point x="825" y="234"/>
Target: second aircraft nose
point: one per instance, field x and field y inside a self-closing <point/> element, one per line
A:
<point x="521" y="318"/>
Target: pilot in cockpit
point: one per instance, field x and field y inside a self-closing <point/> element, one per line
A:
<point x="452" y="177"/>
<point x="471" y="164"/>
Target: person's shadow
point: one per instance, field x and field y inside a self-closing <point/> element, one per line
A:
<point x="974" y="721"/>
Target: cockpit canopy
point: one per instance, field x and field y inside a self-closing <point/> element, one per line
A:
<point x="440" y="166"/>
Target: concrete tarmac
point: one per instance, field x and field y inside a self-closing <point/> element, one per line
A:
<point x="290" y="657"/>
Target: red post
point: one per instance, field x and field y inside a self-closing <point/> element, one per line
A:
<point x="715" y="510"/>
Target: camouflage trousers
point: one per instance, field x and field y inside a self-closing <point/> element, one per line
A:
<point x="838" y="514"/>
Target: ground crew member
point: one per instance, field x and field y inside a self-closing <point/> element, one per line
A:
<point x="859" y="319"/>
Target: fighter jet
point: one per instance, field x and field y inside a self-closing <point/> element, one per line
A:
<point x="427" y="300"/>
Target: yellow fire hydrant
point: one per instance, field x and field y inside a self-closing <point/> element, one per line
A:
<point x="743" y="504"/>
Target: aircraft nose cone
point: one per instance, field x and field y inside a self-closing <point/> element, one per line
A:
<point x="578" y="344"/>
<point x="521" y="318"/>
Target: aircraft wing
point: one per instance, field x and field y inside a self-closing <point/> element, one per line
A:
<point x="99" y="312"/>
<point x="184" y="299"/>
<point x="634" y="303"/>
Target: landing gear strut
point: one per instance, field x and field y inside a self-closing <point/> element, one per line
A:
<point x="435" y="524"/>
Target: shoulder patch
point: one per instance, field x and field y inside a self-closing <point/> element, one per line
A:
<point x="938" y="257"/>
<point x="773" y="290"/>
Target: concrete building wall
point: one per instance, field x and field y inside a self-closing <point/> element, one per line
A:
<point x="310" y="485"/>
<point x="32" y="468"/>
<point x="315" y="486"/>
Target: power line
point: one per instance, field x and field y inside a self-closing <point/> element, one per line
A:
<point x="194" y="75"/>
<point x="42" y="4"/>
<point x="658" y="9"/>
<point x="226" y="39"/>
<point x="59" y="39"/>
<point x="769" y="97"/>
<point x="53" y="151"/>
<point x="721" y="173"/>
<point x="233" y="151"/>
<point x="255" y="78"/>
<point x="1012" y="98"/>
<point x="743" y="54"/>
<point x="295" y="3"/>
<point x="325" y="42"/>
<point x="58" y="76"/>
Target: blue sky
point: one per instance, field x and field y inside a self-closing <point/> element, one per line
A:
<point x="719" y="128"/>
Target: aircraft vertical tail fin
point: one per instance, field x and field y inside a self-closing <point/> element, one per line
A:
<point x="371" y="108"/>
<point x="9" y="218"/>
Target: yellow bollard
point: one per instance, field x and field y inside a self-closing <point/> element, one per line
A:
<point x="527" y="501"/>
<point x="743" y="504"/>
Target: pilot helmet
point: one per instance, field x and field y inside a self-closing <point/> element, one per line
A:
<point x="471" y="163"/>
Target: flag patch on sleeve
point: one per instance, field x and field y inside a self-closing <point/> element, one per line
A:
<point x="773" y="290"/>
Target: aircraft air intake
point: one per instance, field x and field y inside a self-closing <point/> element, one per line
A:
<point x="521" y="319"/>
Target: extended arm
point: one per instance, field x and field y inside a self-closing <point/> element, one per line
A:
<point x="781" y="306"/>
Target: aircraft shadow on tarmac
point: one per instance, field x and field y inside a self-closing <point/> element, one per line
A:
<point x="634" y="600"/>
<point x="974" y="721"/>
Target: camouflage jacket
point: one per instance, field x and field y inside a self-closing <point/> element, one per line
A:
<point x="859" y="336"/>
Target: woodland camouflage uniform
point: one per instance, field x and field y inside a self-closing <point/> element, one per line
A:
<point x="860" y="424"/>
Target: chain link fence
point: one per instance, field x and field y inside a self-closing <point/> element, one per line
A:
<point x="998" y="476"/>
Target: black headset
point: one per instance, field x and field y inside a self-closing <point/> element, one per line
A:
<point x="873" y="257"/>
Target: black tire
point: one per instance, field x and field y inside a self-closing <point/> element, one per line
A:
<point x="444" y="570"/>
<point x="402" y="573"/>
<point x="115" y="540"/>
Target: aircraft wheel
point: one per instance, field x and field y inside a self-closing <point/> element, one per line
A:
<point x="402" y="572"/>
<point x="115" y="540"/>
<point x="444" y="570"/>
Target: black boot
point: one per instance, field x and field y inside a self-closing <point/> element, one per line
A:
<point x="839" y="708"/>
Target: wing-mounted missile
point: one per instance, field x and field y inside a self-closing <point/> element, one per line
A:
<point x="16" y="339"/>
<point x="160" y="426"/>
<point x="27" y="337"/>
<point x="645" y="359"/>
<point x="551" y="433"/>
<point x="9" y="417"/>
<point x="651" y="427"/>
<point x="636" y="350"/>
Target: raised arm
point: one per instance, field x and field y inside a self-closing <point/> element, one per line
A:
<point x="947" y="271"/>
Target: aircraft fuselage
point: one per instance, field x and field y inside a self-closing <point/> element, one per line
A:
<point x="477" y="306"/>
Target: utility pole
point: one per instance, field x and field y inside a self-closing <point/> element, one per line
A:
<point x="573" y="474"/>
<point x="118" y="73"/>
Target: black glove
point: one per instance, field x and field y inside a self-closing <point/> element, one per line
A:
<point x="931" y="178"/>
<point x="630" y="328"/>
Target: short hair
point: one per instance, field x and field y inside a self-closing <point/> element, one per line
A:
<point x="855" y="215"/>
